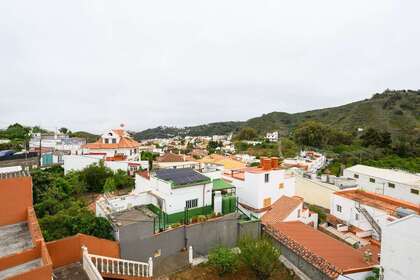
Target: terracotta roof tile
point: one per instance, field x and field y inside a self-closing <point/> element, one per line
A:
<point x="329" y="255"/>
<point x="124" y="143"/>
<point x="281" y="209"/>
<point x="170" y="157"/>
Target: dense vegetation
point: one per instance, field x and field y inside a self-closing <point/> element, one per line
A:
<point x="18" y="135"/>
<point x="258" y="255"/>
<point x="219" y="128"/>
<point x="60" y="200"/>
<point x="397" y="112"/>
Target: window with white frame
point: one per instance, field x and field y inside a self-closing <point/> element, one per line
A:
<point x="356" y="175"/>
<point x="339" y="208"/>
<point x="372" y="180"/>
<point x="356" y="217"/>
<point x="414" y="191"/>
<point x="266" y="178"/>
<point x="391" y="185"/>
<point x="191" y="203"/>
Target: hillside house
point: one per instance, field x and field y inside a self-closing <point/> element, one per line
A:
<point x="171" y="160"/>
<point x="114" y="143"/>
<point x="395" y="183"/>
<point x="258" y="188"/>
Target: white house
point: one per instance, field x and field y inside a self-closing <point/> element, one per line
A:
<point x="57" y="142"/>
<point x="309" y="161"/>
<point x="79" y="162"/>
<point x="367" y="211"/>
<point x="258" y="188"/>
<point x="272" y="136"/>
<point x="176" y="189"/>
<point x="394" y="183"/>
<point x="114" y="143"/>
<point x="400" y="250"/>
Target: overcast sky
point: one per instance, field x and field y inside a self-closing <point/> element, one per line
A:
<point x="91" y="65"/>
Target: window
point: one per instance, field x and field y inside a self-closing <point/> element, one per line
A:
<point x="267" y="202"/>
<point x="106" y="140"/>
<point x="414" y="191"/>
<point x="266" y="178"/>
<point x="391" y="185"/>
<point x="114" y="140"/>
<point x="356" y="176"/>
<point x="339" y="208"/>
<point x="356" y="217"/>
<point x="371" y="180"/>
<point x="191" y="203"/>
<point x="281" y="185"/>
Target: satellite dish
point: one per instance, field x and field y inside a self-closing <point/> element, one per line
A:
<point x="122" y="125"/>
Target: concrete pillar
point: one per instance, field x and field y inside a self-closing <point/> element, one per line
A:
<point x="190" y="255"/>
<point x="217" y="202"/>
<point x="150" y="267"/>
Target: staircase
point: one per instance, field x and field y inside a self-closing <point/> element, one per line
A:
<point x="370" y="219"/>
<point x="100" y="266"/>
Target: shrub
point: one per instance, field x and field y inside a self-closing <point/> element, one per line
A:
<point x="201" y="218"/>
<point x="223" y="260"/>
<point x="260" y="255"/>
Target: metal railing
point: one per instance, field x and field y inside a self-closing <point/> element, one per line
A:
<point x="370" y="219"/>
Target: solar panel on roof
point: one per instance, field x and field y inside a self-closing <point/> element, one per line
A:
<point x="181" y="176"/>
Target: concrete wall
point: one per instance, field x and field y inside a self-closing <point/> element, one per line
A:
<point x="315" y="192"/>
<point x="381" y="186"/>
<point x="73" y="252"/>
<point x="400" y="250"/>
<point x="15" y="198"/>
<point x="201" y="236"/>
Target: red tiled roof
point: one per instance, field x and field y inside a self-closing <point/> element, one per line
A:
<point x="170" y="157"/>
<point x="124" y="143"/>
<point x="281" y="209"/>
<point x="329" y="255"/>
<point x="379" y="201"/>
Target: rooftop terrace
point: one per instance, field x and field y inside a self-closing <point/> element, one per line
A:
<point x="14" y="238"/>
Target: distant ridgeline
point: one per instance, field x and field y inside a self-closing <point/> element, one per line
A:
<point x="397" y="111"/>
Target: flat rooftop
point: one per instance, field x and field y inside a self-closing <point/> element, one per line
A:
<point x="397" y="176"/>
<point x="20" y="268"/>
<point x="14" y="238"/>
<point x="379" y="201"/>
<point x="132" y="216"/>
<point x="72" y="271"/>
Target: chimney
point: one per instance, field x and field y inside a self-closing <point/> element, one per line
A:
<point x="265" y="163"/>
<point x="274" y="162"/>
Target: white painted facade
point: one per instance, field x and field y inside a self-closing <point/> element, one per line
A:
<point x="397" y="184"/>
<point x="272" y="136"/>
<point x="253" y="191"/>
<point x="174" y="199"/>
<point x="400" y="249"/>
<point x="345" y="209"/>
<point x="58" y="142"/>
<point x="79" y="162"/>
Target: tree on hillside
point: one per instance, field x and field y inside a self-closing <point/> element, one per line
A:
<point x="213" y="145"/>
<point x="373" y="137"/>
<point x="63" y="130"/>
<point x="247" y="133"/>
<point x="288" y="147"/>
<point x="311" y="133"/>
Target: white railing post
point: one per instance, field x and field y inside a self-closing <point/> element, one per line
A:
<point x="190" y="255"/>
<point x="150" y="267"/>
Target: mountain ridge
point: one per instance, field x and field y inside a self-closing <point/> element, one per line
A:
<point x="397" y="111"/>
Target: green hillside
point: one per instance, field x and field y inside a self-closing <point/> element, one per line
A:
<point x="395" y="111"/>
